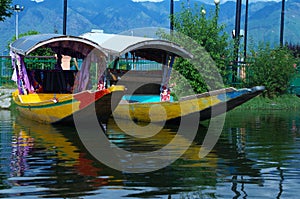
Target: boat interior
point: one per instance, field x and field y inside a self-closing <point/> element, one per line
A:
<point x="52" y="81"/>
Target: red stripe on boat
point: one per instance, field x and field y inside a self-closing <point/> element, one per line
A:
<point x="86" y="98"/>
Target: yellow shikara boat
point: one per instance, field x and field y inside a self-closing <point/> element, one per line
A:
<point x="54" y="92"/>
<point x="144" y="66"/>
<point x="59" y="108"/>
<point x="149" y="108"/>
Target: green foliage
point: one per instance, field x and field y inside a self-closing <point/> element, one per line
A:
<point x="187" y="79"/>
<point x="5" y="10"/>
<point x="197" y="75"/>
<point x="272" y="68"/>
<point x="205" y="30"/>
<point x="207" y="41"/>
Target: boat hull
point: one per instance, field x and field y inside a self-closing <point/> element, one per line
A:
<point x="208" y="105"/>
<point x="60" y="108"/>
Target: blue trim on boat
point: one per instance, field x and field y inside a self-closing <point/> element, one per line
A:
<point x="230" y="95"/>
<point x="143" y="98"/>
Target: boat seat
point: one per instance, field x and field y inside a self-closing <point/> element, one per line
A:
<point x="40" y="97"/>
<point x="32" y="98"/>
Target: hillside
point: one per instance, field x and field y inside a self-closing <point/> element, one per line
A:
<point x="115" y="16"/>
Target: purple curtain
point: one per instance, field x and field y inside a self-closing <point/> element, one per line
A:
<point x="20" y="74"/>
<point x="84" y="77"/>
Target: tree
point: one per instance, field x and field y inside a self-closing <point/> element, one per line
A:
<point x="208" y="42"/>
<point x="5" y="9"/>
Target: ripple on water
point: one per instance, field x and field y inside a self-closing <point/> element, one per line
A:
<point x="257" y="156"/>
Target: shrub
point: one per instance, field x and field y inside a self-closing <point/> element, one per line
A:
<point x="272" y="68"/>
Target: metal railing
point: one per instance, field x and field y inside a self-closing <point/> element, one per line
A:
<point x="40" y="62"/>
<point x="32" y="62"/>
<point x="235" y="75"/>
<point x="238" y="75"/>
<point x="129" y="64"/>
<point x="5" y="71"/>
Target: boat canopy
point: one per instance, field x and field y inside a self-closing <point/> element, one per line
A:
<point x="123" y="46"/>
<point x="148" y="48"/>
<point x="76" y="47"/>
<point x="61" y="44"/>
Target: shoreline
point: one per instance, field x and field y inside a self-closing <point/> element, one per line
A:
<point x="284" y="102"/>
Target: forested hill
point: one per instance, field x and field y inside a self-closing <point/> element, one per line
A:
<point x="115" y="16"/>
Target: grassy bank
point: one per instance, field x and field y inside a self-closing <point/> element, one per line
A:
<point x="284" y="102"/>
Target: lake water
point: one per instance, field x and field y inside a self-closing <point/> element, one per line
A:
<point x="256" y="156"/>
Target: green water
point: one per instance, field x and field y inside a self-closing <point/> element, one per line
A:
<point x="256" y="156"/>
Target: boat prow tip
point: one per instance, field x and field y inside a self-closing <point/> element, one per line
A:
<point x="258" y="88"/>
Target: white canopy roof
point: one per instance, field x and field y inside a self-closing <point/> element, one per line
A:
<point x="63" y="44"/>
<point x="153" y="49"/>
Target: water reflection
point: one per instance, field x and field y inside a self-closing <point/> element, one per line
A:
<point x="5" y="146"/>
<point x="257" y="156"/>
<point x="265" y="146"/>
<point x="46" y="163"/>
<point x="185" y="174"/>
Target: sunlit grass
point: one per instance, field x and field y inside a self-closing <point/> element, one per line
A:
<point x="286" y="102"/>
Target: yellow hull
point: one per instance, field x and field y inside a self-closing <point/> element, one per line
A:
<point x="52" y="108"/>
<point x="162" y="111"/>
<point x="222" y="100"/>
